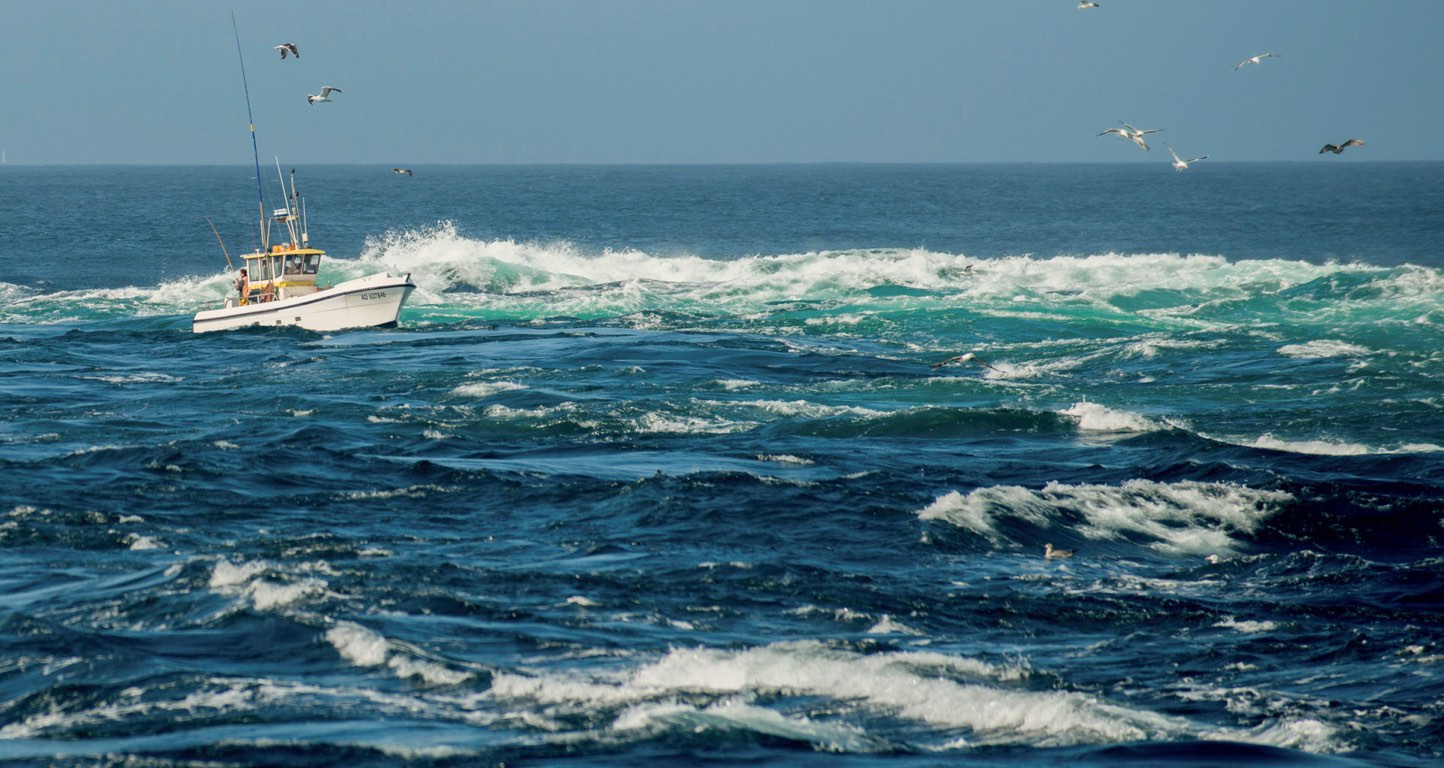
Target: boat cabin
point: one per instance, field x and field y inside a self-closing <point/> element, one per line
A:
<point x="282" y="273"/>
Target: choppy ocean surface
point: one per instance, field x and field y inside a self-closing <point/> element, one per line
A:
<point x="656" y="469"/>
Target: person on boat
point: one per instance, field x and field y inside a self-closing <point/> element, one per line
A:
<point x="243" y="286"/>
<point x="268" y="292"/>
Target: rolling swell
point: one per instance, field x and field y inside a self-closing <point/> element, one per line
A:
<point x="614" y="502"/>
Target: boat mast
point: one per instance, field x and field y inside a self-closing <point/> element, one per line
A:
<point x="260" y="192"/>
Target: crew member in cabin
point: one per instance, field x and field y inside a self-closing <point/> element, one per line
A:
<point x="243" y="286"/>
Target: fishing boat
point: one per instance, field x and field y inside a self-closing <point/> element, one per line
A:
<point x="278" y="284"/>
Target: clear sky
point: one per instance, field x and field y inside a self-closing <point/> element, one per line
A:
<point x="718" y="81"/>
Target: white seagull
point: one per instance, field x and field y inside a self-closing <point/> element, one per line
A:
<point x="1049" y="553"/>
<point x="1254" y="60"/>
<point x="402" y="171"/>
<point x="968" y="357"/>
<point x="291" y="47"/>
<point x="1337" y="148"/>
<point x="323" y="96"/>
<point x="1084" y="5"/>
<point x="1181" y="165"/>
<point x="1132" y="134"/>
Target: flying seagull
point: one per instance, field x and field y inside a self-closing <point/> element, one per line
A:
<point x="291" y="47"/>
<point x="1132" y="134"/>
<point x="1337" y="148"/>
<point x="1179" y="164"/>
<point x="1254" y="60"/>
<point x="406" y="171"/>
<point x="968" y="357"/>
<point x="323" y="96"/>
<point x="1084" y="5"/>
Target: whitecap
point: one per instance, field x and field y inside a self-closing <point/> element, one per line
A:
<point x="1179" y="518"/>
<point x="486" y="388"/>
<point x="1093" y="417"/>
<point x="1324" y="348"/>
<point x="357" y="644"/>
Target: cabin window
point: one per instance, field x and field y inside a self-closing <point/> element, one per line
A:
<point x="293" y="265"/>
<point x="275" y="262"/>
<point x="313" y="263"/>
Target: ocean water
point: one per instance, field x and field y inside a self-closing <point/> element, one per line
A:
<point x="657" y="469"/>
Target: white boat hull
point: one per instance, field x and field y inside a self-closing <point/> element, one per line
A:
<point x="366" y="302"/>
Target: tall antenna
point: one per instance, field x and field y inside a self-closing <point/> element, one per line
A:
<point x="260" y="194"/>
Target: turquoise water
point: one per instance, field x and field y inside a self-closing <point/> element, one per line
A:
<point x="657" y="468"/>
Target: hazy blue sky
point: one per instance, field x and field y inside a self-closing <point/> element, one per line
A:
<point x="718" y="81"/>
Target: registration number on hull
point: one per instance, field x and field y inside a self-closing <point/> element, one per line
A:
<point x="373" y="295"/>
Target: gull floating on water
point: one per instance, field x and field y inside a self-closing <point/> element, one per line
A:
<point x="323" y="96"/>
<point x="1254" y="60"/>
<point x="967" y="357"/>
<point x="406" y="171"/>
<point x="1179" y="164"/>
<point x="1337" y="148"/>
<point x="1132" y="134"/>
<point x="1084" y="5"/>
<point x="1055" y="554"/>
<point x="291" y="47"/>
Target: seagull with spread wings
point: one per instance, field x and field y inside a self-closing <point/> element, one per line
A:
<point x="1254" y="60"/>
<point x="1337" y="148"/>
<point x="322" y="97"/>
<point x="1132" y="134"/>
<point x="1180" y="164"/>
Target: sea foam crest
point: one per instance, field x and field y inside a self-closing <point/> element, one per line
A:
<point x="442" y="260"/>
<point x="936" y="689"/>
<point x="1184" y="518"/>
<point x="367" y="648"/>
<point x="1093" y="417"/>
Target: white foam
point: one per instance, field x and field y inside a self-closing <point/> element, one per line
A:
<point x="800" y="408"/>
<point x="1093" y="417"/>
<point x="1185" y="518"/>
<point x="784" y="458"/>
<point x="367" y="648"/>
<point x="1324" y="348"/>
<point x="226" y="575"/>
<point x="1312" y="447"/>
<point x="936" y="689"/>
<point x="887" y="625"/>
<point x="732" y="714"/>
<point x="1248" y="627"/>
<point x="266" y="595"/>
<point x="357" y="644"/>
<point x="486" y="388"/>
<point x="140" y="543"/>
<point x="663" y="423"/>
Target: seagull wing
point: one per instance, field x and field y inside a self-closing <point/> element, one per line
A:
<point x="1354" y="143"/>
<point x="327" y="89"/>
<point x="1195" y="159"/>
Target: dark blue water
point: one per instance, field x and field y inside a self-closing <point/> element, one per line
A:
<point x="657" y="469"/>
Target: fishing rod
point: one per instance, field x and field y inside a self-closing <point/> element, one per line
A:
<point x="229" y="265"/>
<point x="255" y="153"/>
